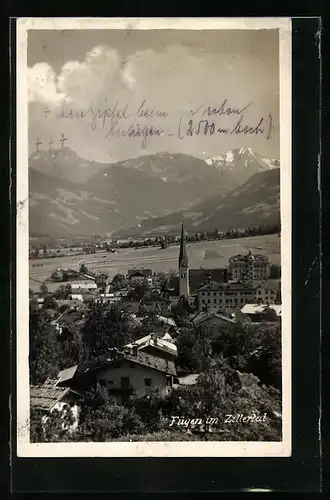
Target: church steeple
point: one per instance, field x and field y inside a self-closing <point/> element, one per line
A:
<point x="183" y="267"/>
<point x="183" y="257"/>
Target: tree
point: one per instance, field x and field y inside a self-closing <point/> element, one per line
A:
<point x="104" y="329"/>
<point x="83" y="269"/>
<point x="103" y="419"/>
<point x="44" y="350"/>
<point x="139" y="292"/>
<point x="269" y="315"/>
<point x="194" y="351"/>
<point x="275" y="271"/>
<point x="118" y="281"/>
<point x="63" y="292"/>
<point x="181" y="310"/>
<point x="44" y="289"/>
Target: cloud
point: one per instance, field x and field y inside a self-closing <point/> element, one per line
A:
<point x="104" y="72"/>
<point x="42" y="85"/>
<point x="80" y="81"/>
<point x="175" y="79"/>
<point x="77" y="81"/>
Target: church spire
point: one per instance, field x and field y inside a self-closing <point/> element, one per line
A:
<point x="183" y="257"/>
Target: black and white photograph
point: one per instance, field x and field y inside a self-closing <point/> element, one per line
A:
<point x="154" y="237"/>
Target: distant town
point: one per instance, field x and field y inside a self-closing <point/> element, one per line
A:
<point x="128" y="356"/>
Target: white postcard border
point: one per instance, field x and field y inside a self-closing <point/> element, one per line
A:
<point x="149" y="449"/>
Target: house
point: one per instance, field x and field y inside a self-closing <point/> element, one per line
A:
<point x="249" y="267"/>
<point x="80" y="286"/>
<point x="162" y="347"/>
<point x="48" y="398"/>
<point x="257" y="312"/>
<point x="139" y="273"/>
<point x="71" y="304"/>
<point x="69" y="319"/>
<point x="155" y="304"/>
<point x="76" y="296"/>
<point x="168" y="322"/>
<point x="268" y="291"/>
<point x="213" y="322"/>
<point x="124" y="373"/>
<point x="107" y="298"/>
<point x="225" y="297"/>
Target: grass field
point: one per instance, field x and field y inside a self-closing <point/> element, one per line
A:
<point x="205" y="254"/>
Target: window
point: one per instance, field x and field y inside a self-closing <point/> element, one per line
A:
<point x="203" y="293"/>
<point x="148" y="382"/>
<point x="214" y="293"/>
<point x="208" y="301"/>
<point x="124" y="382"/>
<point x="208" y="293"/>
<point x="215" y="301"/>
<point x="169" y="381"/>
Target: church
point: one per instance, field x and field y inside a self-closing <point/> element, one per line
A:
<point x="188" y="281"/>
<point x="184" y="289"/>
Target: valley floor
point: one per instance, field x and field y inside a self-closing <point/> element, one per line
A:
<point x="204" y="254"/>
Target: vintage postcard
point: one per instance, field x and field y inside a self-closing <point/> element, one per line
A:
<point x="154" y="237"/>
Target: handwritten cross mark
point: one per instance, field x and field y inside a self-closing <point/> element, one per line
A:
<point x="62" y="140"/>
<point x="37" y="144"/>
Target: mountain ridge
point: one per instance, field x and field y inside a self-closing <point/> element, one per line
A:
<point x="71" y="195"/>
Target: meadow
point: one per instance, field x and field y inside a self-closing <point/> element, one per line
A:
<point x="204" y="254"/>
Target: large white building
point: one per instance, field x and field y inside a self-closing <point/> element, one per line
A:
<point x="249" y="267"/>
<point x="225" y="297"/>
<point x="228" y="297"/>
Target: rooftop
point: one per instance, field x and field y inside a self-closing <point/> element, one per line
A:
<point x="261" y="308"/>
<point x="151" y="339"/>
<point x="245" y="257"/>
<point x="212" y="285"/>
<point x="112" y="359"/>
<point x="45" y="397"/>
<point x="66" y="374"/>
<point x="204" y="315"/>
<point x="197" y="277"/>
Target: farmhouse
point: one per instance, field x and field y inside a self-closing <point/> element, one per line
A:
<point x="123" y="374"/>
<point x="48" y="398"/>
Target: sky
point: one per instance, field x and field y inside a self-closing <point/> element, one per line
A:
<point x="119" y="94"/>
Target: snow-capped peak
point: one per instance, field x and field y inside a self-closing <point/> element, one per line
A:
<point x="245" y="157"/>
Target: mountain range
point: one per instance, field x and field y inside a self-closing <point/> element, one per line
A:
<point x="69" y="195"/>
<point x="257" y="201"/>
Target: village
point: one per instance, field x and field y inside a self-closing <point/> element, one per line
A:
<point x="121" y="357"/>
